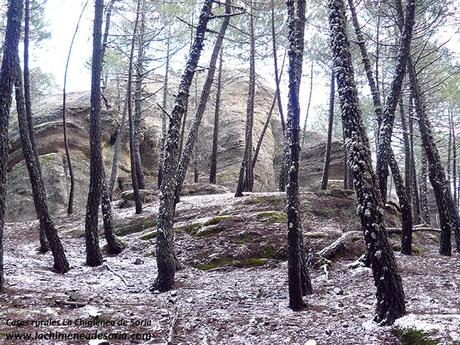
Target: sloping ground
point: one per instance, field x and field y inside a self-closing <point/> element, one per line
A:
<point x="239" y="294"/>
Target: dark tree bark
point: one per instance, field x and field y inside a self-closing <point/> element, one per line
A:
<point x="140" y="73"/>
<point x="448" y="217"/>
<point x="93" y="252"/>
<point x="28" y="108"/>
<point x="201" y="108"/>
<point x="299" y="280"/>
<point x="390" y="294"/>
<point x="424" y="209"/>
<point x="164" y="120"/>
<point x="33" y="166"/>
<point x="215" y="134"/>
<point x="132" y="140"/>
<point x="105" y="38"/>
<point x="7" y="75"/>
<point x="304" y="134"/>
<point x="407" y="151"/>
<point x="327" y="156"/>
<point x="246" y="178"/>
<point x="166" y="260"/>
<point x="388" y="116"/>
<point x="454" y="157"/>
<point x="64" y="118"/>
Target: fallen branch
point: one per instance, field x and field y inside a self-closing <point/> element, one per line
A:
<point x="74" y="304"/>
<point x="414" y="229"/>
<point x="117" y="274"/>
<point x="173" y="325"/>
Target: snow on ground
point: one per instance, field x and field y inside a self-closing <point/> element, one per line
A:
<point x="220" y="306"/>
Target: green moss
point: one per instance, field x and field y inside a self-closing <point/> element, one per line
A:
<point x="135" y="225"/>
<point x="415" y="249"/>
<point x="244" y="239"/>
<point x="412" y="336"/>
<point x="268" y="252"/>
<point x="335" y="192"/>
<point x="149" y="235"/>
<point x="227" y="261"/>
<point x="216" y="220"/>
<point x="191" y="229"/>
<point x="272" y="217"/>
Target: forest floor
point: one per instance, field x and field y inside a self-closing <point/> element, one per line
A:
<point x="233" y="287"/>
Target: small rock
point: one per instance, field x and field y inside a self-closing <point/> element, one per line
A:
<point x="338" y="291"/>
<point x="345" y="325"/>
<point x="310" y="342"/>
<point x="138" y="261"/>
<point x="164" y="312"/>
<point x="173" y="293"/>
<point x="190" y="300"/>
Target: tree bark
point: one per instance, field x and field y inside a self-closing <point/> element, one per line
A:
<point x="415" y="193"/>
<point x="299" y="280"/>
<point x="390" y="294"/>
<point x="424" y="209"/>
<point x="166" y="261"/>
<point x="304" y="134"/>
<point x="246" y="177"/>
<point x="7" y="75"/>
<point x="64" y="118"/>
<point x="201" y="108"/>
<point x="327" y="156"/>
<point x="388" y="116"/>
<point x="93" y="252"/>
<point x="215" y="135"/>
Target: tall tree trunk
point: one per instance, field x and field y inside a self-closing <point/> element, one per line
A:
<point x="138" y="98"/>
<point x="454" y="158"/>
<point x="416" y="199"/>
<point x="215" y="135"/>
<point x="114" y="245"/>
<point x="304" y="134"/>
<point x="201" y="108"/>
<point x="33" y="166"/>
<point x="299" y="280"/>
<point x="105" y="38"/>
<point x="327" y="156"/>
<point x="132" y="140"/>
<point x="28" y="108"/>
<point x="64" y="118"/>
<point x="166" y="260"/>
<point x="164" y="120"/>
<point x="424" y="209"/>
<point x="93" y="251"/>
<point x="246" y="178"/>
<point x="388" y="116"/>
<point x="7" y="75"/>
<point x="390" y="294"/>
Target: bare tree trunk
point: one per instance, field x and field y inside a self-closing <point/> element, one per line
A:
<point x="164" y="120"/>
<point x="215" y="136"/>
<point x="7" y="76"/>
<point x="246" y="177"/>
<point x="64" y="119"/>
<point x="388" y="116"/>
<point x="200" y="109"/>
<point x="166" y="260"/>
<point x="390" y="294"/>
<point x="416" y="199"/>
<point x="93" y="252"/>
<point x="327" y="156"/>
<point x="304" y="134"/>
<point x="38" y="190"/>
<point x="28" y="108"/>
<point x="425" y="212"/>
<point x="138" y="98"/>
<point x="299" y="280"/>
<point x="132" y="142"/>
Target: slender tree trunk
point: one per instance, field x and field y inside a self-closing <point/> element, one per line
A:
<point x="132" y="140"/>
<point x="449" y="154"/>
<point x="215" y="135"/>
<point x="7" y="75"/>
<point x="246" y="178"/>
<point x="390" y="294"/>
<point x="416" y="199"/>
<point x="454" y="158"/>
<point x="299" y="280"/>
<point x="164" y="120"/>
<point x="93" y="252"/>
<point x="166" y="260"/>
<point x="424" y="210"/>
<point x="38" y="190"/>
<point x="64" y="118"/>
<point x="28" y="108"/>
<point x="327" y="156"/>
<point x="304" y="135"/>
<point x="262" y="135"/>
<point x="388" y="116"/>
<point x="105" y="38"/>
<point x="138" y="98"/>
<point x="201" y="108"/>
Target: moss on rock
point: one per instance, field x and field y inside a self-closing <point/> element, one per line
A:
<point x="272" y="217"/>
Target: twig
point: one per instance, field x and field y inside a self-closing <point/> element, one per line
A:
<point x="164" y="111"/>
<point x="173" y="325"/>
<point x="117" y="274"/>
